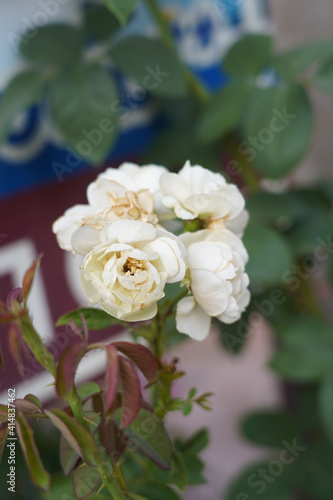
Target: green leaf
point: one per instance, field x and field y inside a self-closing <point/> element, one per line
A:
<point x="194" y="467"/>
<point x="99" y="22"/>
<point x="3" y="413"/>
<point x="3" y="440"/>
<point x="54" y="44"/>
<point x="306" y="353"/>
<point x="269" y="255"/>
<point x="77" y="436"/>
<point x="62" y="489"/>
<point x="277" y="129"/>
<point x="196" y="443"/>
<point x="85" y="479"/>
<point x="88" y="389"/>
<point x="122" y="9"/>
<point x="315" y="474"/>
<point x="278" y="207"/>
<point x="96" y="319"/>
<point x="147" y="432"/>
<point x="326" y="404"/>
<point x="34" y="400"/>
<point x="306" y="234"/>
<point x="156" y="491"/>
<point x="178" y="471"/>
<point x="22" y="92"/>
<point x="38" y="474"/>
<point x="324" y="78"/>
<point x="291" y="63"/>
<point x="174" y="147"/>
<point x="68" y="457"/>
<point x="270" y="428"/>
<point x="249" y="55"/>
<point x="187" y="408"/>
<point x="223" y="112"/>
<point x="151" y="64"/>
<point x="250" y="484"/>
<point x="234" y="335"/>
<point x="84" y="100"/>
<point x="192" y="393"/>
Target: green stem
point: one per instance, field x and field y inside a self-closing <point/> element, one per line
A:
<point x="119" y="475"/>
<point x="310" y="299"/>
<point x="247" y="172"/>
<point x="197" y="87"/>
<point x="160" y="21"/>
<point x="117" y="492"/>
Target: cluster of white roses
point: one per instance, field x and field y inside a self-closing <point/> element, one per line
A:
<point x="129" y="256"/>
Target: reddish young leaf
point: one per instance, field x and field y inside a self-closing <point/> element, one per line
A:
<point x="33" y="399"/>
<point x="67" y="367"/>
<point x="15" y="295"/>
<point x="77" y="436"/>
<point x="113" y="440"/>
<point x="26" y="407"/>
<point x="3" y="438"/>
<point x="141" y="357"/>
<point x="131" y="391"/>
<point x="29" y="277"/>
<point x="85" y="331"/>
<point x="111" y="377"/>
<point x="38" y="474"/>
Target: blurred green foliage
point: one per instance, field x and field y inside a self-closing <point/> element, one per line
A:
<point x="255" y="129"/>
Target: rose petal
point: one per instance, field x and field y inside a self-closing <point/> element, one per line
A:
<point x="191" y="319"/>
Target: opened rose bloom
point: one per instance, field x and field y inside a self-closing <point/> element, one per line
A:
<point x="129" y="192"/>
<point x="127" y="272"/>
<point x="217" y="280"/>
<point x="196" y="192"/>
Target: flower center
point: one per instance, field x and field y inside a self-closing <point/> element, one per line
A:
<point x="131" y="266"/>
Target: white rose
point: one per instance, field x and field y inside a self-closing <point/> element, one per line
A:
<point x="129" y="192"/>
<point x="127" y="272"/>
<point x="218" y="282"/>
<point x="197" y="192"/>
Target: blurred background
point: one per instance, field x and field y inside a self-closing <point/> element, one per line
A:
<point x="40" y="177"/>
